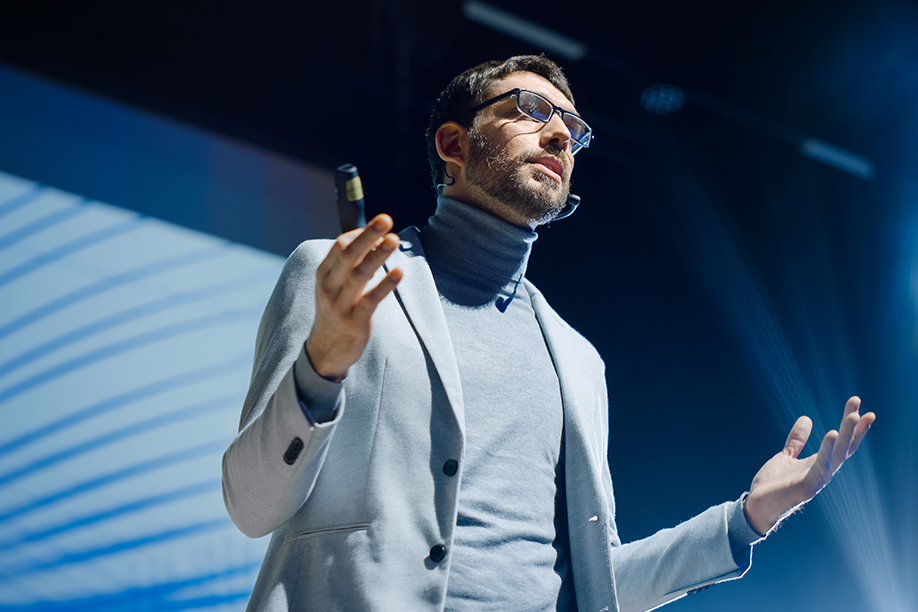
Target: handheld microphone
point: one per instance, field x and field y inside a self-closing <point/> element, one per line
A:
<point x="349" y="191"/>
<point x="573" y="201"/>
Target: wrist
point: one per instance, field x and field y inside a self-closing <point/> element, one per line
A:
<point x="752" y="525"/>
<point x="320" y="367"/>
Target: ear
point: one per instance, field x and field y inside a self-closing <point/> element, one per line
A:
<point x="453" y="144"/>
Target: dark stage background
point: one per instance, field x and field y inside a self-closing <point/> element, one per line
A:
<point x="750" y="257"/>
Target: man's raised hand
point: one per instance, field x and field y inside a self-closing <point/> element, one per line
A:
<point x="344" y="308"/>
<point x="786" y="482"/>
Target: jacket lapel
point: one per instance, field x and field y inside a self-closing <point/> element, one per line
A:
<point x="577" y="386"/>
<point x="590" y="515"/>
<point x="418" y="296"/>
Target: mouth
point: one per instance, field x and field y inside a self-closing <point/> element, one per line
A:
<point x="550" y="166"/>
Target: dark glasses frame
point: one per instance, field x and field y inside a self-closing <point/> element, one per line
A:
<point x="579" y="124"/>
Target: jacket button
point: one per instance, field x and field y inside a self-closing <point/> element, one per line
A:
<point x="437" y="553"/>
<point x="451" y="467"/>
<point x="293" y="451"/>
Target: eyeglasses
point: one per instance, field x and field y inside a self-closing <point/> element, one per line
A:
<point x="541" y="109"/>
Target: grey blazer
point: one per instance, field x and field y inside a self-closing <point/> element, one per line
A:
<point x="360" y="506"/>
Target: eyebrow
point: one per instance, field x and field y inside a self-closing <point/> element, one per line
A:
<point x="545" y="95"/>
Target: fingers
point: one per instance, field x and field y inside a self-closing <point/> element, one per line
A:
<point x="364" y="271"/>
<point x="852" y="405"/>
<point x="858" y="425"/>
<point x="824" y="456"/>
<point x="798" y="436"/>
<point x="841" y="451"/>
<point x="850" y="433"/>
<point x="863" y="426"/>
<point x="351" y="249"/>
<point x="373" y="297"/>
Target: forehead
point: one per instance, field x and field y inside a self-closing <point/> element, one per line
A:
<point x="532" y="82"/>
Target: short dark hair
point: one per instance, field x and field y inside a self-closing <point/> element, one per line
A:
<point x="468" y="90"/>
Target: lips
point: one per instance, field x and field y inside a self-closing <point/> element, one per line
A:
<point x="551" y="164"/>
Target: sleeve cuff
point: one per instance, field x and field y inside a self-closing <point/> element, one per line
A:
<point x="742" y="535"/>
<point x="319" y="397"/>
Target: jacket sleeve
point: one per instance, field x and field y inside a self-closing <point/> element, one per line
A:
<point x="271" y="466"/>
<point x="712" y="547"/>
<point x="690" y="557"/>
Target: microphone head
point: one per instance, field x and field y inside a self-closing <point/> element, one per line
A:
<point x="573" y="201"/>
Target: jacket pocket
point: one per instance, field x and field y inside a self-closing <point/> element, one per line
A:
<point x="339" y="529"/>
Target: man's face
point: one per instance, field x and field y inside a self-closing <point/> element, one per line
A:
<point x="520" y="166"/>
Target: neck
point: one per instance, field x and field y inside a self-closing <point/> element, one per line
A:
<point x="476" y="247"/>
<point x="490" y="205"/>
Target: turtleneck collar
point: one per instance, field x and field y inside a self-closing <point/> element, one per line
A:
<point x="476" y="249"/>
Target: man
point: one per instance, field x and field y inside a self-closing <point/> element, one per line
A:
<point x="446" y="448"/>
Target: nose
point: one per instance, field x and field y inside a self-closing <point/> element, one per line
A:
<point x="556" y="133"/>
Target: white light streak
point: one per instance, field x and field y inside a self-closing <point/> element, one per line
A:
<point x="837" y="157"/>
<point x="856" y="506"/>
<point x="522" y="29"/>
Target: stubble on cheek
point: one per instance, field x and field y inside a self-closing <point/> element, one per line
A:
<point x="506" y="179"/>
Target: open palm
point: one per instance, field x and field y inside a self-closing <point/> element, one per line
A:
<point x="786" y="481"/>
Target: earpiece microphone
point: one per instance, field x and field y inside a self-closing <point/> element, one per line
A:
<point x="573" y="201"/>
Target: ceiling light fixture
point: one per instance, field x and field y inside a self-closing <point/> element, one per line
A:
<point x="525" y="30"/>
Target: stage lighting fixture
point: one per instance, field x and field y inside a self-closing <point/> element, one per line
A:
<point x="525" y="30"/>
<point x="662" y="99"/>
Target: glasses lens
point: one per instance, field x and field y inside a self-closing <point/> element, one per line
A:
<point x="580" y="131"/>
<point x="540" y="109"/>
<point x="534" y="105"/>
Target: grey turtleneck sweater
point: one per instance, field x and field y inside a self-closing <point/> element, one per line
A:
<point x="507" y="553"/>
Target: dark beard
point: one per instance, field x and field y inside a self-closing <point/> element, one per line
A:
<point x="502" y="177"/>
